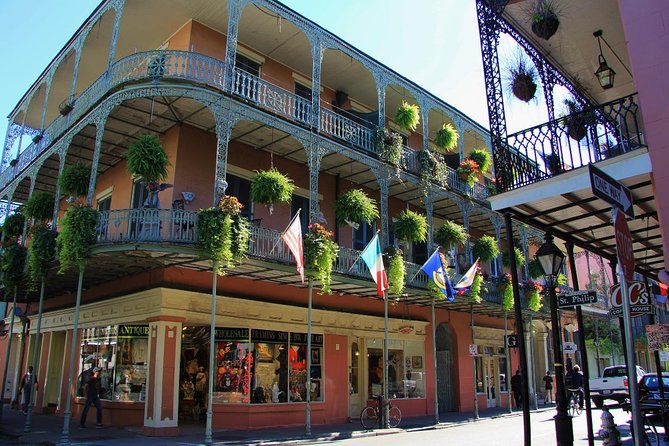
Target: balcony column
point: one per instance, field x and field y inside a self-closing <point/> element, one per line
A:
<point x="381" y="95"/>
<point x="117" y="5"/>
<point x="10" y="197"/>
<point x="13" y="130"/>
<point x="461" y="140"/>
<point x="62" y="156"/>
<point x="425" y="116"/>
<point x="49" y="80"/>
<point x="99" y="132"/>
<point x="317" y="51"/>
<point x="78" y="47"/>
<point x="315" y="154"/>
<point x="429" y="208"/>
<point x="223" y="132"/>
<point x="234" y="14"/>
<point x="466" y="207"/>
<point x="497" y="222"/>
<point x="524" y="244"/>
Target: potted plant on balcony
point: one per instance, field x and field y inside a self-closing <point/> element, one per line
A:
<point x="320" y="255"/>
<point x="468" y="171"/>
<point x="389" y="146"/>
<point x="506" y="289"/>
<point x="65" y="107"/>
<point x="407" y="116"/>
<point x="13" y="225"/>
<point x="41" y="251"/>
<point x="447" y="137"/>
<point x="74" y="180"/>
<point x="533" y="290"/>
<point x="271" y="186"/>
<point x="76" y="237"/>
<point x="518" y="254"/>
<point x="482" y="158"/>
<point x="223" y="233"/>
<point x="450" y="235"/>
<point x="354" y="207"/>
<point x="148" y="160"/>
<point x="545" y="18"/>
<point x="486" y="248"/>
<point x="576" y="119"/>
<point x="39" y="206"/>
<point x="394" y="264"/>
<point x="410" y="226"/>
<point x="522" y="77"/>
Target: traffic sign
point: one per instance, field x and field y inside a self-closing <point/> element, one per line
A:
<point x="624" y="245"/>
<point x="611" y="191"/>
<point x="512" y="341"/>
<point x="572" y="298"/>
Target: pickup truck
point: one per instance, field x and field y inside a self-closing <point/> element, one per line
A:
<point x="613" y="385"/>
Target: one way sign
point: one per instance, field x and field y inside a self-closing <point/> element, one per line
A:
<point x="610" y="190"/>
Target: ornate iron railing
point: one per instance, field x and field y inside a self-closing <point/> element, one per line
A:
<point x="570" y="142"/>
<point x="342" y="128"/>
<point x="147" y="225"/>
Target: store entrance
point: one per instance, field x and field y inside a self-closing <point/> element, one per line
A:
<point x="193" y="377"/>
<point x="491" y="381"/>
<point x="355" y="398"/>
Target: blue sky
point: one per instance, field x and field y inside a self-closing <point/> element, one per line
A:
<point x="434" y="43"/>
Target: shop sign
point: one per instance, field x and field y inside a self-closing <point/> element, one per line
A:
<point x="639" y="300"/>
<point x="512" y="341"/>
<point x="406" y="329"/>
<point x="133" y="331"/>
<point x="231" y="334"/>
<point x="473" y="350"/>
<point x="657" y="335"/>
<point x="301" y="338"/>
<point x="268" y="336"/>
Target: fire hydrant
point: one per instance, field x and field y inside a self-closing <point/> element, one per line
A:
<point x="609" y="432"/>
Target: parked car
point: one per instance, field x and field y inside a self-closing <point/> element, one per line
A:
<point x="613" y="385"/>
<point x="649" y="386"/>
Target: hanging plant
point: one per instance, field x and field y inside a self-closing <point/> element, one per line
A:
<point x="394" y="264"/>
<point x="389" y="146"/>
<point x="447" y="137"/>
<point x="474" y="292"/>
<point x="535" y="269"/>
<point x="355" y="206"/>
<point x="534" y="302"/>
<point x="468" y="171"/>
<point x="13" y="264"/>
<point x="576" y="119"/>
<point x="545" y="21"/>
<point x="521" y="77"/>
<point x="320" y="255"/>
<point x="13" y="225"/>
<point x="271" y="186"/>
<point x="518" y="254"/>
<point x="223" y="233"/>
<point x="411" y="226"/>
<point x="486" y="248"/>
<point x="407" y="116"/>
<point x="40" y="206"/>
<point x="482" y="158"/>
<point x="147" y="159"/>
<point x="450" y="235"/>
<point x="41" y="252"/>
<point x="74" y="180"/>
<point x="76" y="237"/>
<point x="507" y="292"/>
<point x="431" y="169"/>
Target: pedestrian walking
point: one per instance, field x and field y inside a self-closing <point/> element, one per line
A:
<point x="517" y="388"/>
<point x="92" y="390"/>
<point x="548" y="387"/>
<point x="27" y="383"/>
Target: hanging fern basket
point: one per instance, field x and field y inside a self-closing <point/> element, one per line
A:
<point x="147" y="159"/>
<point x="411" y="226"/>
<point x="354" y="207"/>
<point x="486" y="248"/>
<point x="271" y="186"/>
<point x="524" y="87"/>
<point x="450" y="235"/>
<point x="408" y="116"/>
<point x="447" y="138"/>
<point x="40" y="206"/>
<point x="74" y="180"/>
<point x="76" y="237"/>
<point x="545" y="27"/>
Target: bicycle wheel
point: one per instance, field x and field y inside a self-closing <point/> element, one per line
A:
<point x="577" y="408"/>
<point x="650" y="437"/>
<point x="394" y="416"/>
<point x="573" y="405"/>
<point x="369" y="418"/>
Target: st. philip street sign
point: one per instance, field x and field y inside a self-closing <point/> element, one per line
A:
<point x="611" y="191"/>
<point x="566" y="300"/>
<point x="638" y="297"/>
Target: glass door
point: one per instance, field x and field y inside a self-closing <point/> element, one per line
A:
<point x="355" y="398"/>
<point x="490" y="380"/>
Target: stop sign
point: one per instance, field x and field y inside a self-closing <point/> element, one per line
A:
<point x="624" y="245"/>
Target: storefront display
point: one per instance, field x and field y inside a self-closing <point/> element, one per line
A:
<point x="405" y="369"/>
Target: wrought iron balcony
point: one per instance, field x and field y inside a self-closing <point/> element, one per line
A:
<point x="568" y="143"/>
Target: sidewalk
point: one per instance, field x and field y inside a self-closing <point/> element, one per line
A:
<point x="46" y="430"/>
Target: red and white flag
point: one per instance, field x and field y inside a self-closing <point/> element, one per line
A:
<point x="372" y="257"/>
<point x="292" y="236"/>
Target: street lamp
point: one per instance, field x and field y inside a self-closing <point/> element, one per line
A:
<point x="551" y="259"/>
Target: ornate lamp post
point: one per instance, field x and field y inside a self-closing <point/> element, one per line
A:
<point x="551" y="259"/>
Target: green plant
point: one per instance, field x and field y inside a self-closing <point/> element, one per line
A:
<point x="468" y="171"/>
<point x="271" y="186"/>
<point x="147" y="159"/>
<point x="535" y="269"/>
<point x="507" y="292"/>
<point x="482" y="158"/>
<point x="13" y="264"/>
<point x="447" y="137"/>
<point x="76" y="237"/>
<point x="431" y="169"/>
<point x="576" y="118"/>
<point x="521" y="77"/>
<point x="534" y="302"/>
<point x="518" y="254"/>
<point x="40" y="206"/>
<point x="355" y="206"/>
<point x="561" y="279"/>
<point x="544" y="15"/>
<point x="474" y="292"/>
<point x="410" y="226"/>
<point x="450" y="235"/>
<point x="13" y="225"/>
<point x="320" y="255"/>
<point x="395" y="270"/>
<point x="74" y="179"/>
<point x="486" y="248"/>
<point x="407" y="116"/>
<point x="41" y="251"/>
<point x="389" y="146"/>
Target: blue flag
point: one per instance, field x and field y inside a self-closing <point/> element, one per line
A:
<point x="434" y="268"/>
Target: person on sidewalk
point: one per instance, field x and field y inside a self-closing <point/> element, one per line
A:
<point x="517" y="388"/>
<point x="92" y="390"/>
<point x="548" y="387"/>
<point x="26" y="387"/>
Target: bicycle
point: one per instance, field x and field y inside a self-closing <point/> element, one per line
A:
<point x="574" y="403"/>
<point x="370" y="416"/>
<point x="650" y="436"/>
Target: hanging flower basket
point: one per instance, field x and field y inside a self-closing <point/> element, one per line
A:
<point x="447" y="137"/>
<point x="474" y="292"/>
<point x="355" y="207"/>
<point x="407" y="116"/>
<point x="41" y="252"/>
<point x="468" y="171"/>
<point x="520" y="258"/>
<point x="271" y="186"/>
<point x="12" y="264"/>
<point x="576" y="119"/>
<point x="535" y="269"/>
<point x="13" y="225"/>
<point x="320" y="255"/>
<point x="482" y="158"/>
<point x="544" y="15"/>
<point x="534" y="289"/>
<point x="486" y="248"/>
<point x="507" y="292"/>
<point x="411" y="226"/>
<point x="546" y="27"/>
<point x="450" y="235"/>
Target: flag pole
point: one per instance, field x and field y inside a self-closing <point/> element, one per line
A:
<point x="289" y="223"/>
<point x="363" y="250"/>
<point x="434" y="356"/>
<point x="386" y="406"/>
<point x="307" y="430"/>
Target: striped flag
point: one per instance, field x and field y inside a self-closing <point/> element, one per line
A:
<point x="468" y="278"/>
<point x="371" y="255"/>
<point x="292" y="236"/>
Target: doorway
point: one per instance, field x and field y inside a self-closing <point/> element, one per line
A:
<point x="490" y="379"/>
<point x="446" y="381"/>
<point x="355" y="385"/>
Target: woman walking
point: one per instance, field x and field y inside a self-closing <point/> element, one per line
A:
<point x="548" y="386"/>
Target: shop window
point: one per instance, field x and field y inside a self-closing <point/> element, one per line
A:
<point x="247" y="64"/>
<point x="406" y="373"/>
<point x="479" y="375"/>
<point x="502" y="374"/>
<point x="234" y="365"/>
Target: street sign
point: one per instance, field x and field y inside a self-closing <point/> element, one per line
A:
<point x="569" y="347"/>
<point x="638" y="297"/>
<point x="624" y="245"/>
<point x="473" y="350"/>
<point x="566" y="300"/>
<point x="512" y="341"/>
<point x="611" y="191"/>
